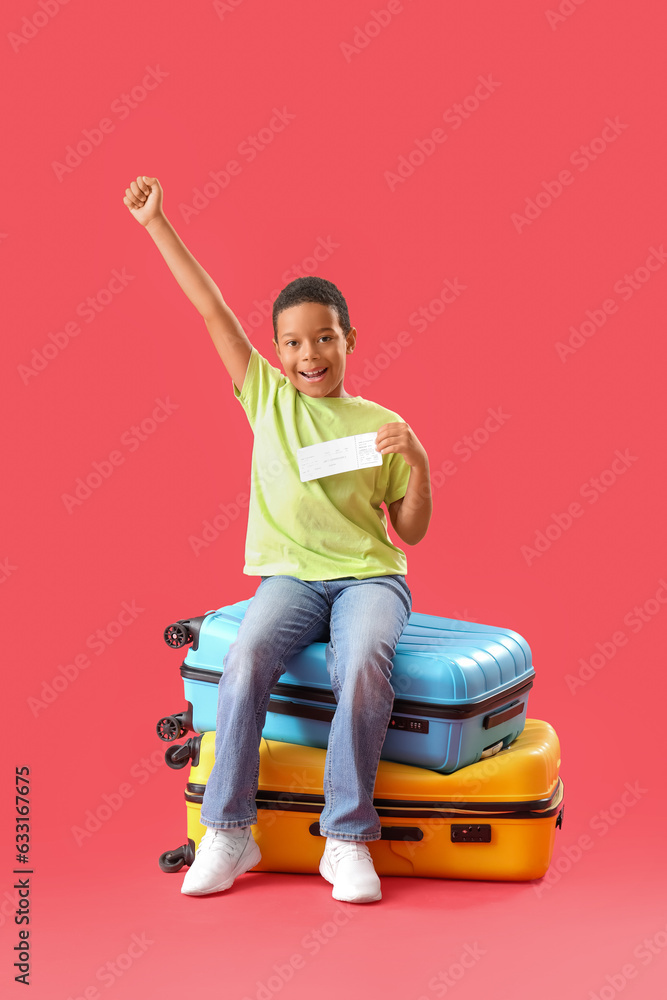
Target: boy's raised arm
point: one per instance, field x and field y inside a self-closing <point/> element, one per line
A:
<point x="144" y="200"/>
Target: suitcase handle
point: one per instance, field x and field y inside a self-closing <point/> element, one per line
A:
<point x="490" y="721"/>
<point x="302" y="711"/>
<point x="387" y="833"/>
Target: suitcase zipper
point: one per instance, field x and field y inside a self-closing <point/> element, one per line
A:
<point x="420" y="809"/>
<point x="288" y="692"/>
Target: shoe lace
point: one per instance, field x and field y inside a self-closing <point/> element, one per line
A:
<point x="218" y="841"/>
<point x="352" y="851"/>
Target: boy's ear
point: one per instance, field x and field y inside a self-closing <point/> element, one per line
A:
<point x="351" y="339"/>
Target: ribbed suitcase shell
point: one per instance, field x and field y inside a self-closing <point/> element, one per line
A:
<point x="495" y="819"/>
<point x="460" y="687"/>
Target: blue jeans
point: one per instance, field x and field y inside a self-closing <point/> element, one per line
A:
<point x="364" y="619"/>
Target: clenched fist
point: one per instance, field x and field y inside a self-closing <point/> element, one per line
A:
<point x="144" y="199"/>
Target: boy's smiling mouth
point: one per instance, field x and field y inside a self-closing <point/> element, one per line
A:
<point x="315" y="374"/>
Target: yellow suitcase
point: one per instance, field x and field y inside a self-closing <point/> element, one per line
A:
<point x="495" y="819"/>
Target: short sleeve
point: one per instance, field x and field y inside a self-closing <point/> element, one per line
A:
<point x="397" y="482"/>
<point x="260" y="385"/>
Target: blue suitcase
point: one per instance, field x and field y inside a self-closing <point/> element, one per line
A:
<point x="461" y="689"/>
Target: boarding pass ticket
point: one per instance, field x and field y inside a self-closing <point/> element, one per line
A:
<point x="340" y="455"/>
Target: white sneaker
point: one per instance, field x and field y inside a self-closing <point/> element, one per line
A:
<point x="220" y="857"/>
<point x="349" y="866"/>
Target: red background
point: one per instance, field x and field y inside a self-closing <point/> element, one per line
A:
<point x="66" y="573"/>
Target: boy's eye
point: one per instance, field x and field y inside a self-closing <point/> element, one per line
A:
<point x="291" y="343"/>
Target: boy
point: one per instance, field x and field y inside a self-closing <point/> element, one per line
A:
<point x="328" y="569"/>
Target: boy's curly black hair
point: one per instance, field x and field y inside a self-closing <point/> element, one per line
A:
<point x="311" y="289"/>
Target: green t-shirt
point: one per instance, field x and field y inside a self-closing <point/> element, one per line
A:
<point x="326" y="528"/>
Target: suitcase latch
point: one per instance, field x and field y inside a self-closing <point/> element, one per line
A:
<point x="412" y="725"/>
<point x="471" y="833"/>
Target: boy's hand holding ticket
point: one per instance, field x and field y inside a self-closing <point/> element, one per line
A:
<point x="360" y="451"/>
<point x="399" y="437"/>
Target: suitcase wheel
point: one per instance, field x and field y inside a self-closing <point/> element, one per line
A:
<point x="173" y="861"/>
<point x="177" y="635"/>
<point x="178" y="755"/>
<point x="170" y="727"/>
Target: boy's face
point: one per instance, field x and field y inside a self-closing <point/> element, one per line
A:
<point x="313" y="349"/>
